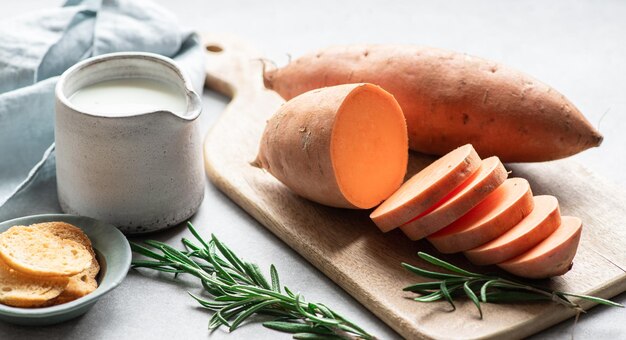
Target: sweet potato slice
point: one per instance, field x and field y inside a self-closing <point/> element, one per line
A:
<point x="552" y="257"/>
<point x="497" y="213"/>
<point x="344" y="146"/>
<point x="489" y="176"/>
<point x="426" y="188"/>
<point x="534" y="228"/>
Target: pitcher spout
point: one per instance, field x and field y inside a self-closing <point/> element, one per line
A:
<point x="194" y="106"/>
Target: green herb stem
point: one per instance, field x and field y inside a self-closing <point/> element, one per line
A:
<point x="237" y="290"/>
<point x="481" y="288"/>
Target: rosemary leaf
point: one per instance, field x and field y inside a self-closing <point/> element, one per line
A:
<point x="218" y="267"/>
<point x="208" y="304"/>
<point x="313" y="317"/>
<point x="325" y="310"/>
<point x="191" y="245"/>
<point x="429" y="274"/>
<point x="218" y="320"/>
<point x="137" y="248"/>
<point x="429" y="286"/>
<point x="275" y="279"/>
<point x="434" y="296"/>
<point x="227" y="298"/>
<point x="195" y="234"/>
<point x="289" y="292"/>
<point x="446" y="294"/>
<point x="595" y="299"/>
<point x="443" y="264"/>
<point x="257" y="275"/>
<point x="290" y="327"/>
<point x="470" y="293"/>
<point x="248" y="312"/>
<point x="483" y="289"/>
<point x="228" y="254"/>
<point x="313" y="336"/>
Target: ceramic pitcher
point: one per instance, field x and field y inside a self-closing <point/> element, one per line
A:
<point x="141" y="172"/>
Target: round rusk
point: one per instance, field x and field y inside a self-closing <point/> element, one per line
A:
<point x="34" y="251"/>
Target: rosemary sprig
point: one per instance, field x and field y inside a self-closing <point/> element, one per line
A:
<point x="481" y="288"/>
<point x="237" y="290"/>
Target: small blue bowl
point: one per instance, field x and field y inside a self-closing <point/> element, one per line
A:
<point x="114" y="256"/>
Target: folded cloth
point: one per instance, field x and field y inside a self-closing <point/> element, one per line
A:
<point x="35" y="50"/>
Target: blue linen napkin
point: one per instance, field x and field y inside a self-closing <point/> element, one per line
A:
<point x="35" y="50"/>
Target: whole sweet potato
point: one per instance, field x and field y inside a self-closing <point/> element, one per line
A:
<point x="451" y="99"/>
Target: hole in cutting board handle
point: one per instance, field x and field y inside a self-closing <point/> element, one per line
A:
<point x="214" y="48"/>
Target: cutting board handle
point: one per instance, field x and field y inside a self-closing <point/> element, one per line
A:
<point x="232" y="66"/>
<point x="235" y="69"/>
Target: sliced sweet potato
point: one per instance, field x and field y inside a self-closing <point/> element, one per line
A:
<point x="426" y="188"/>
<point x="489" y="176"/>
<point x="552" y="257"/>
<point x="497" y="213"/>
<point x="534" y="228"/>
<point x="344" y="146"/>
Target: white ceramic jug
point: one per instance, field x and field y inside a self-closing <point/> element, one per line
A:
<point x="142" y="171"/>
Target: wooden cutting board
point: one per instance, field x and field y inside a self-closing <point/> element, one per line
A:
<point x="347" y="247"/>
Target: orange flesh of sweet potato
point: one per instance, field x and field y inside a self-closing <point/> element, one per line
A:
<point x="369" y="147"/>
<point x="426" y="188"/>
<point x="343" y="146"/>
<point x="497" y="213"/>
<point x="488" y="178"/>
<point x="451" y="99"/>
<point x="552" y="257"/>
<point x="534" y="228"/>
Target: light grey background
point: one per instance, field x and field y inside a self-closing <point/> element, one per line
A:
<point x="578" y="47"/>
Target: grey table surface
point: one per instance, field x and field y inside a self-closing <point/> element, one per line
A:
<point x="578" y="47"/>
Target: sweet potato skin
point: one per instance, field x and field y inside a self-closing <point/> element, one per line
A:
<point x="313" y="130"/>
<point x="296" y="145"/>
<point x="450" y="99"/>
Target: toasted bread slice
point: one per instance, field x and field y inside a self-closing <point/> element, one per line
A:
<point x="66" y="231"/>
<point x="79" y="285"/>
<point x="34" y="251"/>
<point x="84" y="282"/>
<point x="22" y="290"/>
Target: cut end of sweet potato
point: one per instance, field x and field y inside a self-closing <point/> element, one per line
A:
<point x="497" y="213"/>
<point x="552" y="257"/>
<point x="426" y="188"/>
<point x="534" y="228"/>
<point x="369" y="146"/>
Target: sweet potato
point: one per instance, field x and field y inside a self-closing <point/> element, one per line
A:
<point x="496" y="214"/>
<point x="344" y="146"/>
<point x="552" y="257"/>
<point x="534" y="228"/>
<point x="451" y="99"/>
<point x="426" y="188"/>
<point x="486" y="179"/>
